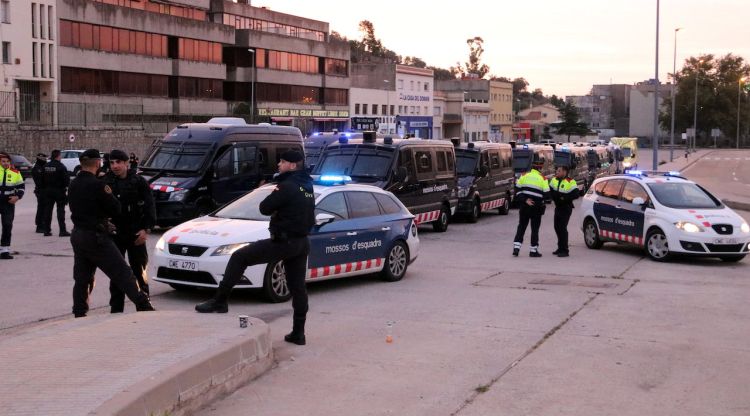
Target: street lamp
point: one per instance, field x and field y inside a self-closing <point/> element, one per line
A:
<point x="739" y="89"/>
<point x="655" y="140"/>
<point x="387" y="106"/>
<point x="252" y="85"/>
<point x="674" y="80"/>
<point x="695" y="107"/>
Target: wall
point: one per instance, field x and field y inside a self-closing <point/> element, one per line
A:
<point x="642" y="110"/>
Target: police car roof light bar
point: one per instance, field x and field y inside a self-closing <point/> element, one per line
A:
<point x="334" y="179"/>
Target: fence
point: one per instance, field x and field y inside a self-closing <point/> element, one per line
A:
<point x="7" y="104"/>
<point x="68" y="114"/>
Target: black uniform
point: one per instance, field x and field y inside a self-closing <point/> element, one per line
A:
<point x="137" y="213"/>
<point x="56" y="181"/>
<point x="292" y="209"/>
<point x="91" y="204"/>
<point x="37" y="174"/>
<point x="564" y="192"/>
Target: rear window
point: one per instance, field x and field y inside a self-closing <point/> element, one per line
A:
<point x="387" y="203"/>
<point x="362" y="204"/>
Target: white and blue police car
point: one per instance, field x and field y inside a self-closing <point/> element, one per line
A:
<point x="360" y="229"/>
<point x="663" y="213"/>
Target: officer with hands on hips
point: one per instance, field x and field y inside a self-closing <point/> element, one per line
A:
<point x="37" y="174"/>
<point x="291" y="206"/>
<point x="564" y="191"/>
<point x="134" y="222"/>
<point x="91" y="205"/>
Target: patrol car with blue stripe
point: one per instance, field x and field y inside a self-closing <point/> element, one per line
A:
<point x="664" y="213"/>
<point x="360" y="229"/>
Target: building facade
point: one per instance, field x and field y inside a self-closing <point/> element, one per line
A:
<point x="501" y="111"/>
<point x="642" y="109"/>
<point x="605" y="109"/>
<point x="474" y="112"/>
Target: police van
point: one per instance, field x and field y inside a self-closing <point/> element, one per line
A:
<point x="317" y="142"/>
<point x="485" y="178"/>
<point x="421" y="173"/>
<point x="600" y="162"/>
<point x="200" y="166"/>
<point x="663" y="213"/>
<point x="575" y="158"/>
<point x="523" y="156"/>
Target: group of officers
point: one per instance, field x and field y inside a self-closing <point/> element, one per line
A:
<point x="532" y="190"/>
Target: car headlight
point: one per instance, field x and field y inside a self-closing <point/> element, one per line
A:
<point x="161" y="244"/>
<point x="178" y="196"/>
<point x="228" y="249"/>
<point x="688" y="227"/>
<point x="745" y="228"/>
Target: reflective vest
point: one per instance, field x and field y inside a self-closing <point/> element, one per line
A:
<point x="11" y="184"/>
<point x="564" y="191"/>
<point x="532" y="185"/>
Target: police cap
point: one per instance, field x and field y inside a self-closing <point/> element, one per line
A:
<point x="41" y="156"/>
<point x="292" y="156"/>
<point x="537" y="160"/>
<point x="118" y="155"/>
<point x="89" y="154"/>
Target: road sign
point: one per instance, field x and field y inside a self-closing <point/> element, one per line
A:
<point x="715" y="133"/>
<point x="690" y="132"/>
<point x="684" y="136"/>
<point x="72" y="138"/>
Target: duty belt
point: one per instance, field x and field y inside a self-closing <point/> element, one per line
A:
<point x="532" y="193"/>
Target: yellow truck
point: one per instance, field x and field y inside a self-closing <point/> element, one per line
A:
<point x="626" y="153"/>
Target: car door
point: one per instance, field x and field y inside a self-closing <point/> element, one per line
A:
<point x="329" y="242"/>
<point x="235" y="173"/>
<point x="630" y="218"/>
<point x="605" y="202"/>
<point x="368" y="244"/>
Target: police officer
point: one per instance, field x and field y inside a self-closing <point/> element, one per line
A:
<point x="531" y="191"/>
<point x="291" y="206"/>
<point x="11" y="191"/>
<point x="92" y="204"/>
<point x="136" y="219"/>
<point x="55" y="192"/>
<point x="37" y="174"/>
<point x="564" y="190"/>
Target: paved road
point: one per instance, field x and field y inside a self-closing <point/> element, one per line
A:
<point x="726" y="172"/>
<point x="477" y="331"/>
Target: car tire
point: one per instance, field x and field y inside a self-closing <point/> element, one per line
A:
<point x="396" y="262"/>
<point x="476" y="211"/>
<point x="657" y="246"/>
<point x="732" y="259"/>
<point x="441" y="225"/>
<point x="183" y="288"/>
<point x="591" y="235"/>
<point x="505" y="208"/>
<point x="275" y="287"/>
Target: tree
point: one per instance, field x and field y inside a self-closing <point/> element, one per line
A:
<point x="717" y="80"/>
<point x="473" y="67"/>
<point x="556" y="101"/>
<point x="372" y="44"/>
<point x="519" y="85"/>
<point x="370" y="47"/>
<point x="442" y="74"/>
<point x="501" y="79"/>
<point x="570" y="124"/>
<point x="414" y="61"/>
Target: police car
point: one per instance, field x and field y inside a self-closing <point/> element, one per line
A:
<point x="360" y="229"/>
<point x="663" y="213"/>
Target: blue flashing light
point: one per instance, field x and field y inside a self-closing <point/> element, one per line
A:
<point x="347" y="134"/>
<point x="565" y="149"/>
<point x="317" y="133"/>
<point x="634" y="172"/>
<point x="673" y="173"/>
<point x="343" y="139"/>
<point x="526" y="146"/>
<point x="334" y="179"/>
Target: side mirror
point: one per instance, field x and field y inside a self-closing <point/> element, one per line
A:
<point x="323" y="219"/>
<point x="401" y="174"/>
<point x="638" y="201"/>
<point x="483" y="171"/>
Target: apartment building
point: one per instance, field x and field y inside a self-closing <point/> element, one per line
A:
<point x="475" y="109"/>
<point x="501" y="111"/>
<point x="605" y="109"/>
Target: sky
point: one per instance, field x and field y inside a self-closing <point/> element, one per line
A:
<point x="560" y="46"/>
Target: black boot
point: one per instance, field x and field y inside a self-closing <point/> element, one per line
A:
<point x="64" y="233"/>
<point x="297" y="336"/>
<point x="6" y="256"/>
<point x="216" y="304"/>
<point x="144" y="305"/>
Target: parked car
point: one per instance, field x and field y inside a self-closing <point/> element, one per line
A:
<point x="21" y="164"/>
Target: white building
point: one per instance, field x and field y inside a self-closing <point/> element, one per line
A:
<point x="642" y="109"/>
<point x="28" y="32"/>
<point x="474" y="111"/>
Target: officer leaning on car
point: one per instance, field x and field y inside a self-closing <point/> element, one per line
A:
<point x="91" y="205"/>
<point x="531" y="191"/>
<point x="56" y="181"/>
<point x="136" y="219"/>
<point x="291" y="206"/>
<point x="564" y="190"/>
<point x="11" y="191"/>
<point x="37" y="174"/>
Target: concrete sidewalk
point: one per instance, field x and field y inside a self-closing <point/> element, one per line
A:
<point x="134" y="364"/>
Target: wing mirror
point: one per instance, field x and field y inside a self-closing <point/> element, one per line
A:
<point x="323" y="219"/>
<point x="401" y="174"/>
<point x="483" y="171"/>
<point x="638" y="201"/>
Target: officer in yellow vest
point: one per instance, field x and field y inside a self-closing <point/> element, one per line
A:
<point x="564" y="190"/>
<point x="11" y="190"/>
<point x="532" y="189"/>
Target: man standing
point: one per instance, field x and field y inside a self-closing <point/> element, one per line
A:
<point x="37" y="174"/>
<point x="291" y="206"/>
<point x="564" y="190"/>
<point x="56" y="181"/>
<point x="531" y="191"/>
<point x="136" y="219"/>
<point x="91" y="205"/>
<point x="11" y="190"/>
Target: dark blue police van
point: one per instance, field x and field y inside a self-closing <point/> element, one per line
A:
<point x="317" y="142"/>
<point x="420" y="173"/>
<point x="200" y="166"/>
<point x="485" y="178"/>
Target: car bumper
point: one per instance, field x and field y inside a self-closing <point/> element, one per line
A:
<point x="716" y="245"/>
<point x="205" y="271"/>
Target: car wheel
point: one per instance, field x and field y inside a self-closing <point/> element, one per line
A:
<point x="476" y="211"/>
<point x="591" y="235"/>
<point x="441" y="225"/>
<point x="505" y="208"/>
<point x="732" y="259"/>
<point x="396" y="262"/>
<point x="274" y="283"/>
<point x="183" y="288"/>
<point x="657" y="246"/>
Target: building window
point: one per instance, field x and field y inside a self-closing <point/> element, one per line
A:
<point x="336" y="96"/>
<point x="392" y="107"/>
<point x="436" y="111"/>
<point x="5" y="11"/>
<point x="364" y="109"/>
<point x="93" y="81"/>
<point x="411" y="85"/>
<point x="374" y="109"/>
<point x="33" y="59"/>
<point x="154" y="7"/>
<point x="6" y="52"/>
<point x="383" y="110"/>
<point x="243" y="22"/>
<point x="33" y="20"/>
<point x="356" y="108"/>
<point x="50" y="19"/>
<point x="42" y="15"/>
<point x="191" y="49"/>
<point x="42" y="59"/>
<point x="418" y="110"/>
<point x="401" y="84"/>
<point x="50" y="63"/>
<point x="286" y="61"/>
<point x="111" y="39"/>
<point x="425" y="110"/>
<point x="426" y="86"/>
<point x="336" y="67"/>
<point x="401" y="109"/>
<point x="419" y="85"/>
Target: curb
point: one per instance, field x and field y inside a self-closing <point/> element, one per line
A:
<point x="742" y="206"/>
<point x="184" y="388"/>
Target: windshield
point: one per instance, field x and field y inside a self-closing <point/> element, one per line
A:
<point x="360" y="164"/>
<point x="521" y="162"/>
<point x="247" y="207"/>
<point x="466" y="163"/>
<point x="562" y="159"/>
<point x="178" y="158"/>
<point x="683" y="195"/>
<point x="626" y="152"/>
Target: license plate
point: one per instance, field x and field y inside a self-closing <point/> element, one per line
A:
<point x="183" y="265"/>
<point x="725" y="241"/>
